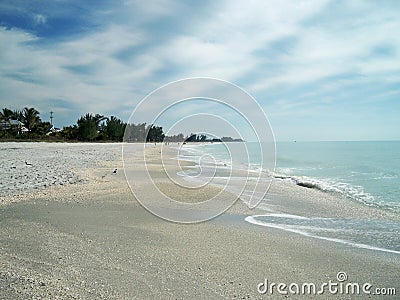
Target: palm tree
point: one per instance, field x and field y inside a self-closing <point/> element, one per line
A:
<point x="6" y="114"/>
<point x="30" y="118"/>
<point x="98" y="119"/>
<point x="115" y="128"/>
<point x="88" y="126"/>
<point x="17" y="115"/>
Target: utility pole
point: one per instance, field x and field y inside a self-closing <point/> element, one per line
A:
<point x="51" y="118"/>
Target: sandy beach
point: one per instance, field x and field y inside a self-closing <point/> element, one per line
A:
<point x="90" y="239"/>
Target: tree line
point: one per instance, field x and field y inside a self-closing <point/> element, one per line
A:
<point x="26" y="124"/>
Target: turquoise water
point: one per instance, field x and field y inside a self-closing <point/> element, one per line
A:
<point x="368" y="172"/>
<point x="364" y="171"/>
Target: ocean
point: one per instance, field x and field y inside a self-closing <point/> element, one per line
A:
<point x="366" y="171"/>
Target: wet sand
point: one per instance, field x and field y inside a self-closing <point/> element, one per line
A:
<point x="93" y="240"/>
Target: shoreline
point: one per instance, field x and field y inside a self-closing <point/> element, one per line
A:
<point x="296" y="165"/>
<point x="94" y="240"/>
<point x="314" y="212"/>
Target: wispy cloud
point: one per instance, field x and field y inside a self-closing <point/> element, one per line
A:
<point x="292" y="56"/>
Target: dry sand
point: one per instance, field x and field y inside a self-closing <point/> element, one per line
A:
<point x="93" y="240"/>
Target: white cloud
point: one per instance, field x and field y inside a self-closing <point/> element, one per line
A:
<point x="39" y="19"/>
<point x="341" y="48"/>
<point x="262" y="45"/>
<point x="109" y="81"/>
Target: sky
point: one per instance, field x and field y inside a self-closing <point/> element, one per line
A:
<point x="320" y="70"/>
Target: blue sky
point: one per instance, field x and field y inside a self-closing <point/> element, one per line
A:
<point x="321" y="70"/>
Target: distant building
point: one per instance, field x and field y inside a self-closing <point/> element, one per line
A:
<point x="13" y="125"/>
<point x="53" y="130"/>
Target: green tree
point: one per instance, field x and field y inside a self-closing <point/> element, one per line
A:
<point x="30" y="118"/>
<point x="6" y="117"/>
<point x="70" y="132"/>
<point x="42" y="128"/>
<point x="155" y="134"/>
<point x="88" y="126"/>
<point x="6" y="114"/>
<point x="17" y="115"/>
<point x="115" y="129"/>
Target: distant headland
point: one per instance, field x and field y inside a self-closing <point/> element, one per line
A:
<point x="196" y="138"/>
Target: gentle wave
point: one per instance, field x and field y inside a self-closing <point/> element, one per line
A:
<point x="367" y="234"/>
<point x="307" y="176"/>
<point x="353" y="192"/>
<point x="320" y="228"/>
